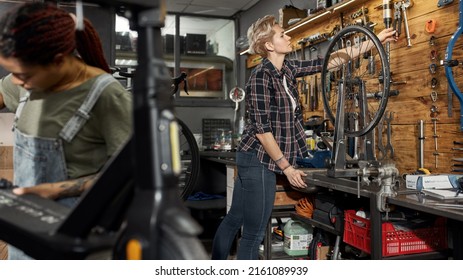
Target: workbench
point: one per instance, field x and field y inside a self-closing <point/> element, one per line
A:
<point x="318" y="180"/>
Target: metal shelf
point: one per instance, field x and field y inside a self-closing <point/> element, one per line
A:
<point x="316" y="224"/>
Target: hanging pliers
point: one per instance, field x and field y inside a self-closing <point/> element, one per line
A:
<point x="397" y="23"/>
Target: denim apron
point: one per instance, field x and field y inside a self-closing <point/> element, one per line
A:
<point x="41" y="160"/>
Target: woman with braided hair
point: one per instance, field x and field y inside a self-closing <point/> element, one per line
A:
<point x="71" y="115"/>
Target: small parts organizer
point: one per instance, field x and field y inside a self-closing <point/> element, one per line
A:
<point x="357" y="232"/>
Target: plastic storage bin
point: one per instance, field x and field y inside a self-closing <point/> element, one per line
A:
<point x="357" y="232"/>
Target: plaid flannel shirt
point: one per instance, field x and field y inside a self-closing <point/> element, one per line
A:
<point x="269" y="109"/>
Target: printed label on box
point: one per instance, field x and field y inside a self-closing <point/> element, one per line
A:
<point x="420" y="182"/>
<point x="298" y="242"/>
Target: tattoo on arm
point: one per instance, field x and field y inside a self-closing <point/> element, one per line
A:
<point x="76" y="187"/>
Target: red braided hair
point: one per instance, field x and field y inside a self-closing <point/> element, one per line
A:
<point x="36" y="32"/>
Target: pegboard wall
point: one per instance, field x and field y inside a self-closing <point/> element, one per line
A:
<point x="419" y="87"/>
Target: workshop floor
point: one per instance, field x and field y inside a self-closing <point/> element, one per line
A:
<point x="210" y="220"/>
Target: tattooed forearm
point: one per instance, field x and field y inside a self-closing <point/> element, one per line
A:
<point x="76" y="187"/>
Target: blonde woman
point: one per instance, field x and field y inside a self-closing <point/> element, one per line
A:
<point x="272" y="139"/>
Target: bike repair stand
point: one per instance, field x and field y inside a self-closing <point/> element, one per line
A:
<point x="374" y="180"/>
<point x="368" y="171"/>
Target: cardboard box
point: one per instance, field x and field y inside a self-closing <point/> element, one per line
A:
<point x="3" y="251"/>
<point x="6" y="157"/>
<point x="287" y="197"/>
<point x="6" y="174"/>
<point x="285" y="194"/>
<point x="443" y="181"/>
<point x="6" y="134"/>
<point x="322" y="252"/>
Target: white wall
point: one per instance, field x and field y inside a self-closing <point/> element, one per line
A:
<point x="226" y="34"/>
<point x="6" y="134"/>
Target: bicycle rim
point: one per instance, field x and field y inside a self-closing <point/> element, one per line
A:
<point x="365" y="78"/>
<point x="190" y="160"/>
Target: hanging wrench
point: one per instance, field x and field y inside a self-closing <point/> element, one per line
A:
<point x="397" y="23"/>
<point x="356" y="139"/>
<point x="388" y="117"/>
<point x="381" y="148"/>
<point x="405" y="5"/>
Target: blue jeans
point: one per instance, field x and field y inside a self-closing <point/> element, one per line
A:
<point x="252" y="204"/>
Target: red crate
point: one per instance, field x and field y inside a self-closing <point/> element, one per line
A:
<point x="357" y="232"/>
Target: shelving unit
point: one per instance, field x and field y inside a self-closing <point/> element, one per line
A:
<point x="325" y="14"/>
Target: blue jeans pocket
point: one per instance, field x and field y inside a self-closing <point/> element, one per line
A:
<point x="246" y="161"/>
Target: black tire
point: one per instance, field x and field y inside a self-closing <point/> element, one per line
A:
<point x="177" y="245"/>
<point x="173" y="244"/>
<point x="358" y="80"/>
<point x="190" y="160"/>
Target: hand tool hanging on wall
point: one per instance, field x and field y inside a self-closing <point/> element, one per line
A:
<point x="316" y="91"/>
<point x="397" y="23"/>
<point x="449" y="101"/>
<point x="433" y="68"/>
<point x="302" y="44"/>
<point x="369" y="143"/>
<point x="305" y="91"/>
<point x="434" y="96"/>
<point x="421" y="138"/>
<point x="405" y="5"/>
<point x="388" y="117"/>
<point x="359" y="13"/>
<point x="312" y="93"/>
<point x="357" y="45"/>
<point x="381" y="148"/>
<point x="433" y="55"/>
<point x="434" y="120"/>
<point x="442" y="3"/>
<point x="434" y="82"/>
<point x="371" y="65"/>
<point x="387" y="19"/>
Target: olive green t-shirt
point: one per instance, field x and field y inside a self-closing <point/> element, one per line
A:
<point x="45" y="114"/>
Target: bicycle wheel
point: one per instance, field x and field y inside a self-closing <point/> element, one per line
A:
<point x="189" y="153"/>
<point x="174" y="242"/>
<point x="453" y="67"/>
<point x="363" y="81"/>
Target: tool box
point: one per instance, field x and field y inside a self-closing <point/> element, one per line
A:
<point x="396" y="239"/>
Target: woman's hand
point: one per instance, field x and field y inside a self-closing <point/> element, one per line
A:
<point x="44" y="190"/>
<point x="295" y="177"/>
<point x="387" y="35"/>
<point x="69" y="188"/>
